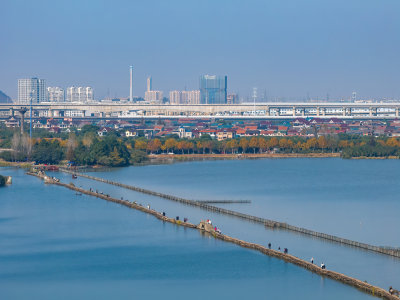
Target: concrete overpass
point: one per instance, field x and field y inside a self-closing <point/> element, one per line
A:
<point x="259" y="110"/>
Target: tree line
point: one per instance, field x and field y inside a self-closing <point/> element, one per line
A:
<point x="85" y="147"/>
<point x="350" y="145"/>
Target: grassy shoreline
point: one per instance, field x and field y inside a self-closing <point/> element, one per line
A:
<point x="154" y="158"/>
<point x="244" y="156"/>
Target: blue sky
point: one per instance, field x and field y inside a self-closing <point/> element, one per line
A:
<point x="288" y="47"/>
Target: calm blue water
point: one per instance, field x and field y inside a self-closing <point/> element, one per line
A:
<point x="55" y="244"/>
<point x="357" y="199"/>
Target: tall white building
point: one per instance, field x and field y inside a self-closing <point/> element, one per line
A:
<point x="184" y="97"/>
<point x="153" y="96"/>
<point x="191" y="97"/>
<point x="34" y="88"/>
<point x="175" y="97"/>
<point x="149" y="84"/>
<point x="150" y="95"/>
<point x="79" y="94"/>
<point x="55" y="94"/>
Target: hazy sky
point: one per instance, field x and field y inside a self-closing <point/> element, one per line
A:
<point x="288" y="47"/>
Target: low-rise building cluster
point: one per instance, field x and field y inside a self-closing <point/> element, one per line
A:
<point x="220" y="129"/>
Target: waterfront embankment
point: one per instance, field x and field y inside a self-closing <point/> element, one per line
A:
<point x="243" y="156"/>
<point x="266" y="222"/>
<point x="363" y="286"/>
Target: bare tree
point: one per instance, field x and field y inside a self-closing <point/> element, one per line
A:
<point x="88" y="139"/>
<point x="26" y="145"/>
<point x="16" y="144"/>
<point x="72" y="143"/>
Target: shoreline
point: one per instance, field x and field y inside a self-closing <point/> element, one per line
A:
<point x="154" y="158"/>
<point x="242" y="156"/>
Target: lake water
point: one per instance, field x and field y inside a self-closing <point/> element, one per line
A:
<point x="355" y="199"/>
<point x="57" y="244"/>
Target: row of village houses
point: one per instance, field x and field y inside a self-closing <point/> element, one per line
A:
<point x="187" y="128"/>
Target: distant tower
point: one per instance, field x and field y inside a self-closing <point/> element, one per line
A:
<point x="265" y="97"/>
<point x="131" y="84"/>
<point x="213" y="89"/>
<point x="254" y="98"/>
<point x="354" y="96"/>
<point x="149" y="84"/>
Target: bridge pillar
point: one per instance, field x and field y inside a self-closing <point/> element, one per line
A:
<point x="303" y="112"/>
<point x="294" y="111"/>
<point x="22" y="111"/>
<point x="323" y="111"/>
<point x="344" y="111"/>
<point x="372" y="111"/>
<point x="317" y="111"/>
<point x="397" y="112"/>
<point x="267" y="111"/>
<point x="55" y="113"/>
<point x="12" y="112"/>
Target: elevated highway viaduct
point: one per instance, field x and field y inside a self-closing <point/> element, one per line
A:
<point x="259" y="110"/>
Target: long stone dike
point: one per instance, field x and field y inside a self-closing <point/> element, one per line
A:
<point x="266" y="222"/>
<point x="361" y="285"/>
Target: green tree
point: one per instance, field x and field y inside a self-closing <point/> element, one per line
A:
<point x="116" y="159"/>
<point x="141" y="145"/>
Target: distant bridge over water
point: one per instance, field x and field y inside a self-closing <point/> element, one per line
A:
<point x="272" y="110"/>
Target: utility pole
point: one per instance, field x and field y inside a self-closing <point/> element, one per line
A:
<point x="131" y="84"/>
<point x="254" y="98"/>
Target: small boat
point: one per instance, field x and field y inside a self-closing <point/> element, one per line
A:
<point x="74" y="176"/>
<point x="78" y="194"/>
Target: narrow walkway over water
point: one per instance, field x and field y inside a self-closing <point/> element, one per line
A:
<point x="269" y="223"/>
<point x="223" y="201"/>
<point x="361" y="285"/>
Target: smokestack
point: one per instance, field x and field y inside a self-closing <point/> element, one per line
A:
<point x="131" y="84"/>
<point x="149" y="84"/>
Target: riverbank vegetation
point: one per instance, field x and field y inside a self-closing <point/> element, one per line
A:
<point x="85" y="147"/>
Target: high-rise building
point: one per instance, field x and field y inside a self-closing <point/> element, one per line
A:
<point x="184" y="97"/>
<point x="232" y="99"/>
<point x="150" y="95"/>
<point x="31" y="88"/>
<point x="213" y="89"/>
<point x="175" y="97"/>
<point x="55" y="94"/>
<point x="149" y="84"/>
<point x="191" y="97"/>
<point x="153" y="96"/>
<point x="79" y="94"/>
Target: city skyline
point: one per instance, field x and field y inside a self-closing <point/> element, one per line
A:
<point x="57" y="93"/>
<point x="289" y="50"/>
